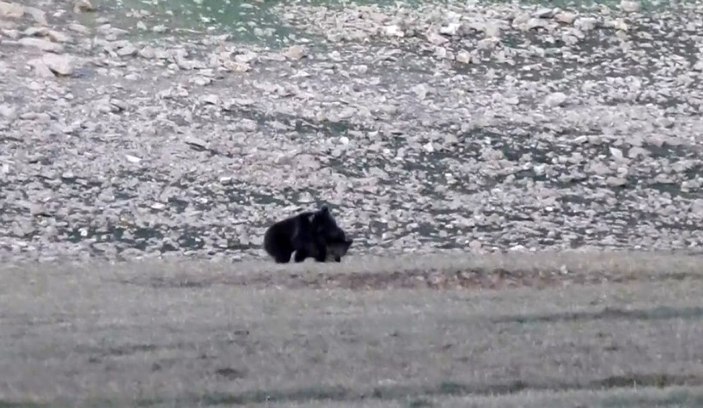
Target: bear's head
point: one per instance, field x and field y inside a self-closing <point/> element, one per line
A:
<point x="336" y="250"/>
<point x="325" y="226"/>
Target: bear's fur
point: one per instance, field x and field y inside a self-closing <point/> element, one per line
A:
<point x="308" y="234"/>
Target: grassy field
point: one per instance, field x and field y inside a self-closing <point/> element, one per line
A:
<point x="548" y="330"/>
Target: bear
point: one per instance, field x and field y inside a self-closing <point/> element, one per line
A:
<point x="308" y="234"/>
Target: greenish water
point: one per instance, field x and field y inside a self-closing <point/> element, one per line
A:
<point x="255" y="22"/>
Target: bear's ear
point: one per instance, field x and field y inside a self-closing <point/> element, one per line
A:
<point x="324" y="210"/>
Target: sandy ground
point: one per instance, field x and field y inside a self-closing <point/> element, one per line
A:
<point x="161" y="334"/>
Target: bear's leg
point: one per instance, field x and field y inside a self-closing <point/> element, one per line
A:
<point x="300" y="255"/>
<point x="337" y="259"/>
<point x="321" y="255"/>
<point x="283" y="257"/>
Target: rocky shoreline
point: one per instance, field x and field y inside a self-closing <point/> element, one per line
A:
<point x="476" y="127"/>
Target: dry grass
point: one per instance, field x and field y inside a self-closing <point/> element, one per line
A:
<point x="153" y="334"/>
<point x="439" y="271"/>
<point x="670" y="397"/>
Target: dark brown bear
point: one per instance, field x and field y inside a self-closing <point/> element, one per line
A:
<point x="308" y="234"/>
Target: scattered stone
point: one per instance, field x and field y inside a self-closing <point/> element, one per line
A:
<point x="436" y="38"/>
<point x="617" y="153"/>
<point x="630" y="6"/>
<point x="637" y="152"/>
<point x="200" y="80"/>
<point x="421" y="91"/>
<point x="187" y="64"/>
<point x="59" y="65"/>
<point x="235" y="66"/>
<point x="245" y="57"/>
<point x="491" y="30"/>
<point x="59" y="37"/>
<point x="487" y="44"/>
<point x="78" y="28"/>
<point x="132" y="159"/>
<point x="36" y="32"/>
<point x="565" y="17"/>
<point x="196" y="142"/>
<point x="82" y="6"/>
<point x="117" y="105"/>
<point x="598" y="168"/>
<point x="615" y="181"/>
<point x="305" y="197"/>
<point x="39" y="16"/>
<point x="107" y="104"/>
<point x="544" y="13"/>
<point x="12" y="34"/>
<point x="556" y="99"/>
<point x="211" y="99"/>
<point x="111" y="33"/>
<point x="451" y="29"/>
<point x="127" y="51"/>
<point x="295" y="52"/>
<point x="586" y="24"/>
<point x="7" y="111"/>
<point x="691" y="185"/>
<point x="147" y="53"/>
<point x="618" y="24"/>
<point x="393" y="31"/>
<point x="464" y="57"/>
<point x="40" y="68"/>
<point x="514" y="100"/>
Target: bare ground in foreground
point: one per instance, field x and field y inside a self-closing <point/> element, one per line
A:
<point x="562" y="330"/>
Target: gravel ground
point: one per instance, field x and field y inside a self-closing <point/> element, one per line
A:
<point x="479" y="128"/>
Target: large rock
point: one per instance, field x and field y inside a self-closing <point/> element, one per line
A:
<point x="40" y="68"/>
<point x="44" y="45"/>
<point x="38" y="15"/>
<point x="59" y="37"/>
<point x="11" y="10"/>
<point x="7" y="111"/>
<point x="565" y="17"/>
<point x="59" y="65"/>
